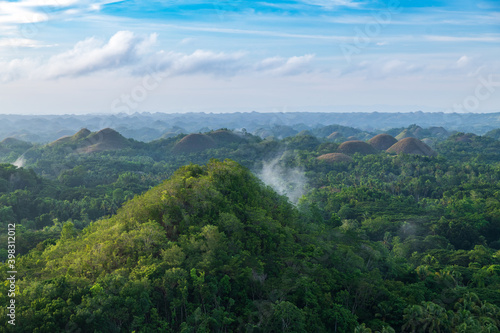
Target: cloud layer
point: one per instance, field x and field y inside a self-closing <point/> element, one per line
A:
<point x="134" y="53"/>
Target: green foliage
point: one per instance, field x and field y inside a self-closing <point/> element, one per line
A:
<point x="384" y="244"/>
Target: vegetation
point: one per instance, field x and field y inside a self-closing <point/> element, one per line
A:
<point x="377" y="243"/>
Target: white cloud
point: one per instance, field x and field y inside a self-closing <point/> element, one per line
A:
<point x="36" y="11"/>
<point x="88" y="56"/>
<point x="21" y="42"/>
<point x="463" y="61"/>
<point x="436" y="66"/>
<point x="91" y="55"/>
<point x="134" y="53"/>
<point x="286" y="66"/>
<point x="20" y="12"/>
<point x="199" y="62"/>
<point x="385" y="69"/>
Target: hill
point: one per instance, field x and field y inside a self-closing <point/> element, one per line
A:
<point x="344" y="131"/>
<point x="335" y="136"/>
<point x="382" y="141"/>
<point x="335" y="158"/>
<point x="407" y="133"/>
<point x="106" y="139"/>
<point x="193" y="143"/>
<point x="225" y="137"/>
<point x="464" y="137"/>
<point x="352" y="147"/>
<point x="199" y="252"/>
<point x="415" y="131"/>
<point x="15" y="144"/>
<point x="495" y="134"/>
<point x="411" y="146"/>
<point x="11" y="149"/>
<point x="81" y="134"/>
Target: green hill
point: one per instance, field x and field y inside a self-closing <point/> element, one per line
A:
<point x="209" y="250"/>
<point x="85" y="141"/>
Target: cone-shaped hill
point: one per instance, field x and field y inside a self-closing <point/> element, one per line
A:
<point x="13" y="143"/>
<point x="224" y="137"/>
<point x="382" y="141"/>
<point x="406" y="133"/>
<point x="212" y="241"/>
<point x="193" y="143"/>
<point x="106" y="139"/>
<point x="335" y="158"/>
<point x="464" y="137"/>
<point x="85" y="141"/>
<point x="81" y="134"/>
<point x="353" y="147"/>
<point x="411" y="146"/>
<point x="335" y="136"/>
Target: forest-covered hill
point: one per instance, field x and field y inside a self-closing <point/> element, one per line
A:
<point x="351" y="236"/>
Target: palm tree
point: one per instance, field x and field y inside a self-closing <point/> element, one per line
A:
<point x="362" y="329"/>
<point x="412" y="315"/>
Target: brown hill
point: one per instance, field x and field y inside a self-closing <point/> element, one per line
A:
<point x="335" y="136"/>
<point x="382" y="141"/>
<point x="225" y="137"/>
<point x="411" y="146"/>
<point x="467" y="137"/>
<point x="194" y="143"/>
<point x="64" y="139"/>
<point x="106" y="139"/>
<point x="335" y="158"/>
<point x="352" y="147"/>
<point x="81" y="134"/>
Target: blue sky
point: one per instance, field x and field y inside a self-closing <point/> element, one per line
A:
<point x="78" y="56"/>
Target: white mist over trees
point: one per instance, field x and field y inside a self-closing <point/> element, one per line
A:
<point x="286" y="181"/>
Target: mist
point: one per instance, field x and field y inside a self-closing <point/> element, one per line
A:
<point x="20" y="162"/>
<point x="286" y="181"/>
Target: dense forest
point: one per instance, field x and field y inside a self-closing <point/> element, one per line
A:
<point x="326" y="229"/>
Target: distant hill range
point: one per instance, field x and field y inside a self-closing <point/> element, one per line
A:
<point x="338" y="126"/>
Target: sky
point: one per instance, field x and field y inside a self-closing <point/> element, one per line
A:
<point x="79" y="56"/>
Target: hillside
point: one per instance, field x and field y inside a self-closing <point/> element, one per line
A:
<point x="15" y="144"/>
<point x="223" y="137"/>
<point x="11" y="149"/>
<point x="411" y="146"/>
<point x="382" y="141"/>
<point x="106" y="139"/>
<point x="85" y="141"/>
<point x="201" y="251"/>
<point x="193" y="143"/>
<point x="213" y="249"/>
<point x="356" y="146"/>
<point x="335" y="158"/>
